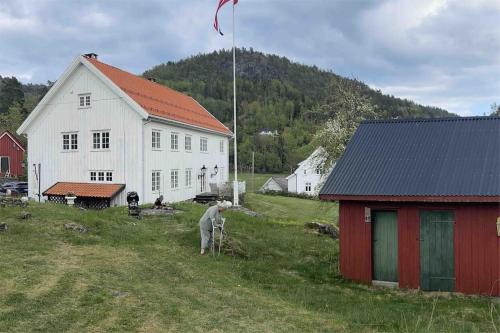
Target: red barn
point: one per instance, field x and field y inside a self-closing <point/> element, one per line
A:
<point x="11" y="155"/>
<point x="420" y="204"/>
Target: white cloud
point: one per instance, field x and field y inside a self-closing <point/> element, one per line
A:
<point x="436" y="52"/>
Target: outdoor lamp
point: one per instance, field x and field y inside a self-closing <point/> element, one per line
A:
<point x="203" y="169"/>
<point x="216" y="169"/>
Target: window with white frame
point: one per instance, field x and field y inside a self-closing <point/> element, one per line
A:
<point x="174" y="141"/>
<point x="101" y="176"/>
<point x="155" y="139"/>
<point x="305" y="172"/>
<point x="70" y="141"/>
<point x="188" y="177"/>
<point x="203" y="144"/>
<point x="308" y="187"/>
<point x="84" y="100"/>
<point x="187" y="143"/>
<point x="174" y="179"/>
<point x="221" y="146"/>
<point x="319" y="170"/>
<point x="155" y="181"/>
<point x="100" y="140"/>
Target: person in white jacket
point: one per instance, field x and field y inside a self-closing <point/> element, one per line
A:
<point x="208" y="221"/>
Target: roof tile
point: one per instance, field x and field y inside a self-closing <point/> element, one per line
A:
<point x="420" y="157"/>
<point x="91" y="190"/>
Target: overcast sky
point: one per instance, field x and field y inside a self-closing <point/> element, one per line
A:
<point x="435" y="52"/>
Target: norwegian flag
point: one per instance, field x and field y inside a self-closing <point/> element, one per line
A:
<point x="216" y="22"/>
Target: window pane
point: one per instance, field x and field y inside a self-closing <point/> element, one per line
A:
<point x="109" y="176"/>
<point x="82" y="101"/>
<point x="74" y="141"/>
<point x="87" y="100"/>
<point x="96" y="140"/>
<point x="92" y="176"/>
<point x="101" y="176"/>
<point x="105" y="140"/>
<point x="203" y="144"/>
<point x="65" y="141"/>
<point x="155" y="139"/>
<point x="174" y="179"/>
<point x="187" y="143"/>
<point x="174" y="141"/>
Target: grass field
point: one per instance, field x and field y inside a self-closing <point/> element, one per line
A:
<point x="256" y="181"/>
<point x="126" y="275"/>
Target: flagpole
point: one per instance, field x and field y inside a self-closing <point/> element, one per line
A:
<point x="235" y="184"/>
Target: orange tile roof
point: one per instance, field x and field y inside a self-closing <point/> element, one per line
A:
<point x="161" y="101"/>
<point x="91" y="190"/>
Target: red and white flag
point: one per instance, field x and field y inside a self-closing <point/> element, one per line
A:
<point x="216" y="22"/>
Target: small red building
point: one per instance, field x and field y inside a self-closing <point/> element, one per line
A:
<point x="11" y="155"/>
<point x="420" y="204"/>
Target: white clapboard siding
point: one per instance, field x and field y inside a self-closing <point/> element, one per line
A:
<point x="165" y="160"/>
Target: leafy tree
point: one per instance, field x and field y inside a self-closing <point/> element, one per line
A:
<point x="11" y="92"/>
<point x="495" y="110"/>
<point x="347" y="106"/>
<point x="13" y="118"/>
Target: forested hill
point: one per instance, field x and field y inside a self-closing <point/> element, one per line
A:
<point x="273" y="93"/>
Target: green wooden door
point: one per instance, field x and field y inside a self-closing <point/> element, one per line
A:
<point x="437" y="269"/>
<point x="4" y="164"/>
<point x="385" y="246"/>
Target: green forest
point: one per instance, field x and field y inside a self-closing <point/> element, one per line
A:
<point x="275" y="94"/>
<point x="290" y="101"/>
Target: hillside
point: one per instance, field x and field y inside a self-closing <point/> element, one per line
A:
<point x="273" y="93"/>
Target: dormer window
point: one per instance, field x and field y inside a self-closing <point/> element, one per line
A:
<point x="84" y="100"/>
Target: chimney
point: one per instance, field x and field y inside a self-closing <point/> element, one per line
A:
<point x="90" y="56"/>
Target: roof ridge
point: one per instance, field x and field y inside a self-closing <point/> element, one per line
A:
<point x="159" y="100"/>
<point x="416" y="120"/>
<point x="140" y="77"/>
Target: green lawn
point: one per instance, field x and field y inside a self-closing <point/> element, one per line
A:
<point x="256" y="181"/>
<point x="292" y="209"/>
<point x="126" y="275"/>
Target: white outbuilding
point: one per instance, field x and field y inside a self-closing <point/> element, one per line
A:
<point x="275" y="184"/>
<point x="101" y="132"/>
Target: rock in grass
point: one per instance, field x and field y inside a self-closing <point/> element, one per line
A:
<point x="3" y="227"/>
<point x="323" y="228"/>
<point x="75" y="227"/>
<point x="25" y="215"/>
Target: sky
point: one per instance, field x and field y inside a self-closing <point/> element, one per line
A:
<point x="435" y="52"/>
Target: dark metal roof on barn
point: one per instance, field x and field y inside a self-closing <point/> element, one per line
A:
<point x="420" y="157"/>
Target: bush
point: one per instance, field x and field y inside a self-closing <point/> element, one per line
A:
<point x="292" y="195"/>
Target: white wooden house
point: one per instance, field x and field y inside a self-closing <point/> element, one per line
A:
<point x="309" y="175"/>
<point x="101" y="132"/>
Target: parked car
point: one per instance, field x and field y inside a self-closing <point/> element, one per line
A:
<point x="16" y="188"/>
